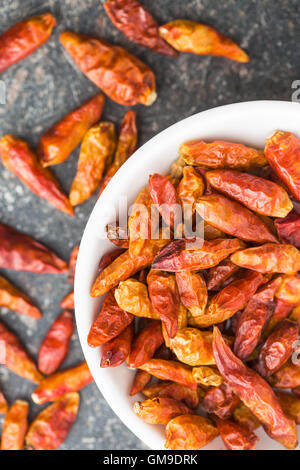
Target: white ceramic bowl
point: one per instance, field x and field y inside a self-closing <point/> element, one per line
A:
<point x="249" y="123"/>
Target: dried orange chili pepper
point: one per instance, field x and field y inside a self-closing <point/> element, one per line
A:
<point x="96" y="153"/>
<point x="159" y="410"/>
<point x="20" y="252"/>
<point x="132" y="296"/>
<point x="175" y="257"/>
<point x="233" y="218"/>
<point x="16" y="358"/>
<point x="258" y="194"/>
<point x="55" y="345"/>
<point x="68" y="301"/>
<point x="14" y="299"/>
<point x="23" y="38"/>
<point x="207" y="376"/>
<point x="126" y="146"/>
<point x="139" y="223"/>
<point x="52" y="425"/>
<point x="242" y="415"/>
<point x="191" y="186"/>
<point x="72" y="264"/>
<point x="189" y="432"/>
<point x="288" y="376"/>
<point x="63" y="137"/>
<point x="173" y="390"/>
<point x="269" y="258"/>
<point x="117" y="350"/>
<point x="220" y="274"/>
<point x="193" y="294"/>
<point x="141" y="379"/>
<point x="255" y="393"/>
<point x="170" y="370"/>
<point x="3" y="404"/>
<point x="108" y="258"/>
<point x="120" y="75"/>
<point x="117" y="235"/>
<point x="145" y="344"/>
<point x="23" y="162"/>
<point x="15" y="426"/>
<point x="220" y="401"/>
<point x="288" y="229"/>
<point x="163" y="193"/>
<point x="189" y="36"/>
<point x="289" y="290"/>
<point x="220" y="154"/>
<point x="290" y="405"/>
<point x="135" y="22"/>
<point x="235" y="436"/>
<point x="282" y="151"/>
<point x="110" y="322"/>
<point x="70" y="380"/>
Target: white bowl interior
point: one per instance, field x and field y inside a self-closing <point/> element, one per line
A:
<point x="249" y="123"/>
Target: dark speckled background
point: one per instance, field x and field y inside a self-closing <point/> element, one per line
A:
<point x="45" y="86"/>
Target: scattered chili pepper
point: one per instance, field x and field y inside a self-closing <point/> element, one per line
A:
<point x="121" y="75"/>
<point x="145" y="344"/>
<point x="14" y="299"/>
<point x="67" y="302"/>
<point x="72" y="264"/>
<point x="193" y="294"/>
<point x="117" y="235"/>
<point x="132" y="296"/>
<point x="63" y="137"/>
<point x="170" y="370"/>
<point x="141" y="379"/>
<point x="288" y="229"/>
<point x="207" y="376"/>
<point x="242" y="415"/>
<point x="290" y="405"/>
<point x="173" y="390"/>
<point x="189" y="432"/>
<point x="15" y="426"/>
<point x="159" y="410"/>
<point x="163" y="193"/>
<point x="220" y="401"/>
<point x="235" y="436"/>
<point x="117" y="350"/>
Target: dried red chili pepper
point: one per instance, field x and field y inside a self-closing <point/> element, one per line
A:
<point x="121" y="75"/>
<point x="282" y="151"/>
<point x="20" y="252"/>
<point x="117" y="350"/>
<point x="63" y="137"/>
<point x="55" y="345"/>
<point x="290" y="405"/>
<point x="269" y="258"/>
<point x="288" y="376"/>
<point x="235" y="436"/>
<point x="173" y="390"/>
<point x="163" y="193"/>
<point x="289" y="290"/>
<point x="255" y="393"/>
<point x="175" y="257"/>
<point x="3" y="404"/>
<point x="52" y="425"/>
<point x="141" y="379"/>
<point x="14" y="299"/>
<point x="258" y="194"/>
<point x="15" y="426"/>
<point x="220" y="154"/>
<point x="15" y="357"/>
<point x="110" y="322"/>
<point x="207" y="376"/>
<point x="191" y="186"/>
<point x="145" y="344"/>
<point x="23" y="162"/>
<point x="132" y="296"/>
<point x="117" y="235"/>
<point x="242" y="415"/>
<point x="220" y="401"/>
<point x="135" y="22"/>
<point x="126" y="146"/>
<point x="170" y="370"/>
<point x="288" y="229"/>
<point x="189" y="432"/>
<point x="96" y="153"/>
<point x="233" y="218"/>
<point x="70" y="380"/>
<point x="189" y="36"/>
<point x="72" y="264"/>
<point x="220" y="274"/>
<point x="108" y="258"/>
<point x="159" y="410"/>
<point x="23" y="38"/>
<point x="193" y="294"/>
<point x="68" y="301"/>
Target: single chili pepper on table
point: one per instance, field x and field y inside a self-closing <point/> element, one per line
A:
<point x="159" y="410"/>
<point x="193" y="294"/>
<point x="23" y="38"/>
<point x="221" y="401"/>
<point x="173" y="390"/>
<point x="189" y="432"/>
<point x="62" y="138"/>
<point x="235" y="436"/>
<point x="117" y="350"/>
<point x="119" y="74"/>
<point x="67" y="302"/>
<point x="14" y="299"/>
<point x="218" y="275"/>
<point x="15" y="426"/>
<point x="170" y="370"/>
<point x="3" y="404"/>
<point x="55" y="345"/>
<point x="23" y="162"/>
<point x="288" y="229"/>
<point x="145" y="344"/>
<point x="132" y="296"/>
<point x="207" y="376"/>
<point x="52" y="425"/>
<point x="96" y="153"/>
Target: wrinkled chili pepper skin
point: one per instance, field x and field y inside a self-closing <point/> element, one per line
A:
<point x="23" y="162"/>
<point x="220" y="274"/>
<point x="193" y="294"/>
<point x="16" y="358"/>
<point x="117" y="235"/>
<point x="289" y="290"/>
<point x="220" y="154"/>
<point x="189" y="432"/>
<point x="70" y="380"/>
<point x="242" y="415"/>
<point x="116" y="351"/>
<point x="170" y="370"/>
<point x="193" y="347"/>
<point x="15" y="426"/>
<point x="63" y="137"/>
<point x="139" y="223"/>
<point x="283" y="154"/>
<point x="159" y="410"/>
<point x="72" y="264"/>
<point x="68" y="301"/>
<point x="23" y="38"/>
<point x="189" y="36"/>
<point x="175" y="257"/>
<point x="20" y="252"/>
<point x="126" y="146"/>
<point x="141" y="380"/>
<point x="269" y="258"/>
<point x="235" y="436"/>
<point x="288" y="376"/>
<point x="163" y="193"/>
<point x="14" y="299"/>
<point x="255" y="393"/>
<point x="290" y="405"/>
<point x="220" y="401"/>
<point x="96" y="153"/>
<point x="3" y="404"/>
<point x="110" y="322"/>
<point x="258" y="194"/>
<point x="288" y="229"/>
<point x="173" y="390"/>
<point x="108" y="258"/>
<point x="52" y="425"/>
<point x="233" y="218"/>
<point x="55" y="345"/>
<point x="132" y="296"/>
<point x="207" y="376"/>
<point x="119" y="74"/>
<point x="278" y="348"/>
<point x="191" y="186"/>
<point x="145" y="344"/>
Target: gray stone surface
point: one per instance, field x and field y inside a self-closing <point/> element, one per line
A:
<point x="45" y="86"/>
